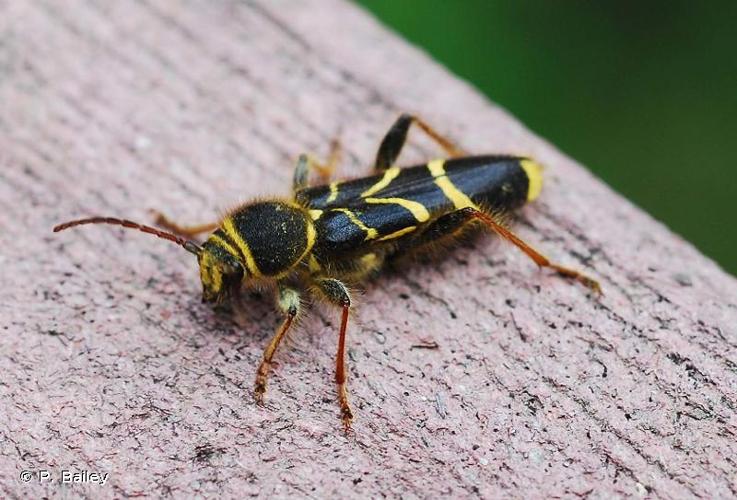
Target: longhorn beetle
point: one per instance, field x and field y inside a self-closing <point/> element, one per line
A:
<point x="342" y="232"/>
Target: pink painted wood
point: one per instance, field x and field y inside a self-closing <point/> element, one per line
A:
<point x="111" y="363"/>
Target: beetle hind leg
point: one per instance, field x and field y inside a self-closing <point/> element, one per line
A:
<point x="490" y="222"/>
<point x="449" y="225"/>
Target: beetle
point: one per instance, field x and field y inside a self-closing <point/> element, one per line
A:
<point x="327" y="236"/>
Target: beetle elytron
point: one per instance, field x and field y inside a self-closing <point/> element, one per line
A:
<point x="342" y="232"/>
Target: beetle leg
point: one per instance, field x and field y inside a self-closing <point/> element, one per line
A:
<point x="536" y="256"/>
<point x="337" y="293"/>
<point x="450" y="223"/>
<point x="365" y="266"/>
<point x="289" y="303"/>
<point x="306" y="163"/>
<point x="163" y="221"/>
<point x="391" y="145"/>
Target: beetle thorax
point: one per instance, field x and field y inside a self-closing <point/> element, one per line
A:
<point x="269" y="237"/>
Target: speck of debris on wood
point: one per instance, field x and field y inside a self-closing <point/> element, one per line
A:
<point x="203" y="453"/>
<point x="379" y="337"/>
<point x="605" y="371"/>
<point x="425" y="344"/>
<point x="440" y="405"/>
<point x="533" y="403"/>
<point x="676" y="358"/>
<point x="683" y="279"/>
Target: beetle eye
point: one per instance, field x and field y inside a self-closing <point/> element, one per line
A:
<point x="232" y="269"/>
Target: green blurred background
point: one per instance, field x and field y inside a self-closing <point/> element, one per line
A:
<point x="642" y="92"/>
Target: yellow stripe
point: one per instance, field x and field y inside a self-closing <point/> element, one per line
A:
<point x="397" y="234"/>
<point x="315" y="214"/>
<point x="534" y="177"/>
<point x="313" y="264"/>
<point x="333" y="192"/>
<point x="369" y="260"/>
<point x="436" y="168"/>
<point x="311" y="237"/>
<point x="459" y="199"/>
<point x="418" y="209"/>
<point x="371" y="233"/>
<point x="214" y="280"/>
<point x="242" y="245"/>
<point x="389" y="176"/>
<point x="221" y="242"/>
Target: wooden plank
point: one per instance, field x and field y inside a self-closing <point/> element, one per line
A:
<point x="112" y="364"/>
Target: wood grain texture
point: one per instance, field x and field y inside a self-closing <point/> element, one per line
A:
<point x="111" y="363"/>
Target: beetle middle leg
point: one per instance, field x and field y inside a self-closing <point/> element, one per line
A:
<point x="394" y="140"/>
<point x="307" y="163"/>
<point x="337" y="293"/>
<point x="165" y="222"/>
<point x="289" y="303"/>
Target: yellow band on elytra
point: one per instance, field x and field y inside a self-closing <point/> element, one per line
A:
<point x="371" y="233"/>
<point x="386" y="179"/>
<point x="418" y="209"/>
<point x="534" y="177"/>
<point x="459" y="199"/>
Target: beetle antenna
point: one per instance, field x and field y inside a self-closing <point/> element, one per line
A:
<point x="188" y="245"/>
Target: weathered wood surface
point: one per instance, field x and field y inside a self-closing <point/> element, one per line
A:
<point x="111" y="363"/>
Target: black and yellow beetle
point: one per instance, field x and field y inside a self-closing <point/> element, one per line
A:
<point x="330" y="235"/>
